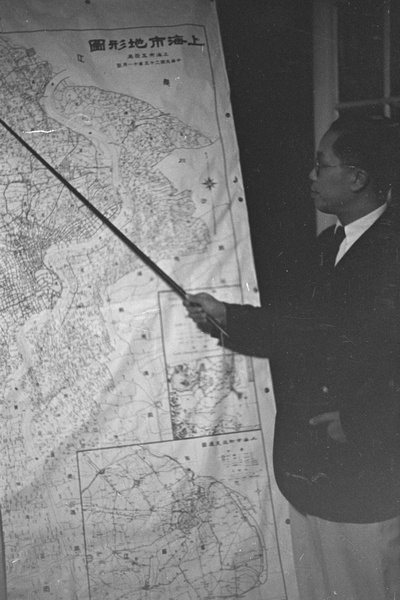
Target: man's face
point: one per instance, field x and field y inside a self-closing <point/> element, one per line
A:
<point x="330" y="188"/>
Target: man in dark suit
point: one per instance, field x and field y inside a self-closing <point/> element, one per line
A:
<point x="335" y="359"/>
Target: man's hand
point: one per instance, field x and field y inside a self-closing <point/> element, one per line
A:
<point x="201" y="305"/>
<point x="334" y="429"/>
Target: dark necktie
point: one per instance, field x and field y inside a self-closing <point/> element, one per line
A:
<point x="332" y="248"/>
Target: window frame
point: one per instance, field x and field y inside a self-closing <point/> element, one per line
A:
<point x="326" y="75"/>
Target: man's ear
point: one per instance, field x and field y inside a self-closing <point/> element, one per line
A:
<point x="359" y="180"/>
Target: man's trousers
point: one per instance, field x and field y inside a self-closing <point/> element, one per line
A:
<point x="346" y="561"/>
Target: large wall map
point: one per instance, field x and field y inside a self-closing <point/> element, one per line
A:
<point x="135" y="450"/>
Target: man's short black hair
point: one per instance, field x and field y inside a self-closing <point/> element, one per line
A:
<point x="373" y="144"/>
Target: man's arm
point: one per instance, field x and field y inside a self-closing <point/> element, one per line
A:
<point x="250" y="328"/>
<point x="253" y="330"/>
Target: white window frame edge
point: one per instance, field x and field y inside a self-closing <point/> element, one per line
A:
<point x="325" y="78"/>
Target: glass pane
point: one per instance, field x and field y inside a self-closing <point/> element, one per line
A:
<point x="395" y="48"/>
<point x="372" y="110"/>
<point x="360" y="49"/>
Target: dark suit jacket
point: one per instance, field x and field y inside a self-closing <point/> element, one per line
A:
<point x="336" y="348"/>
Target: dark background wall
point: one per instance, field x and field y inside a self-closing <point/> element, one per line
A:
<point x="268" y="52"/>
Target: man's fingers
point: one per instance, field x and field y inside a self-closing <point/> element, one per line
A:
<point x="190" y="299"/>
<point x="323" y="418"/>
<point x="334" y="426"/>
<point x="199" y="306"/>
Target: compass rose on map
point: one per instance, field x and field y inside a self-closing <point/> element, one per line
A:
<point x="209" y="183"/>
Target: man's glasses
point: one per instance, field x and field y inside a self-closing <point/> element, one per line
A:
<point x="318" y="166"/>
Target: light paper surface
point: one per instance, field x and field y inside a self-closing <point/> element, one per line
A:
<point x="136" y="451"/>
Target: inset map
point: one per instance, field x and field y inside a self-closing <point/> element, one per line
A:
<point x="211" y="389"/>
<point x="157" y="528"/>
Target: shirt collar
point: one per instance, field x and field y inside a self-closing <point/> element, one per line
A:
<point x="356" y="228"/>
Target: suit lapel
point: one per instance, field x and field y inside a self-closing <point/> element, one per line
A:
<point x="368" y="245"/>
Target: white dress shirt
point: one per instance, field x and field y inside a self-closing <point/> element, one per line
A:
<point x="355" y="230"/>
